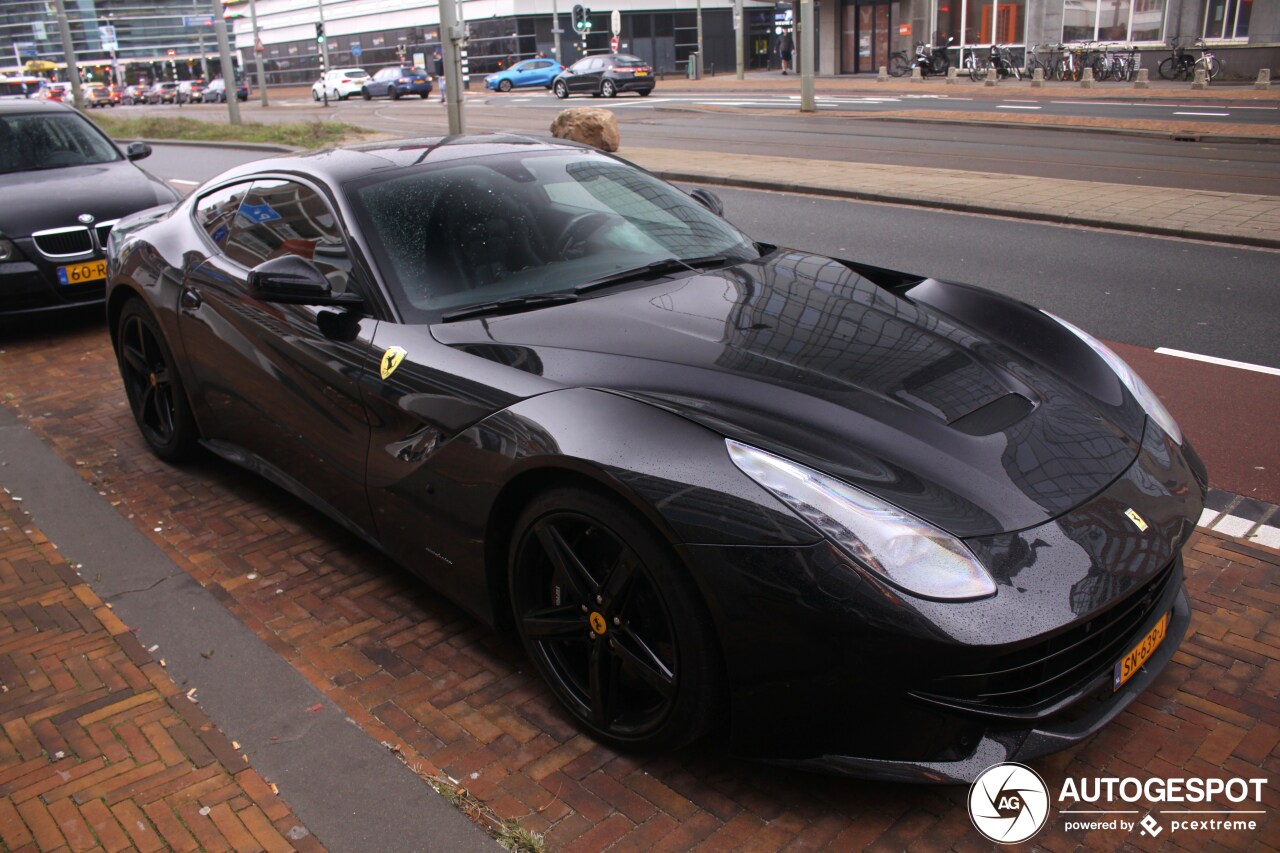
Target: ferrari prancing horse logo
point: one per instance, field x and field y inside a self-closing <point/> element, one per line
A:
<point x="598" y="624"/>
<point x="1138" y="521"/>
<point x="391" y="360"/>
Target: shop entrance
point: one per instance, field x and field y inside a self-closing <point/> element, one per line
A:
<point x="864" y="36"/>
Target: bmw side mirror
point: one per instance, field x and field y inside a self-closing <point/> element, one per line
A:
<point x="137" y="151"/>
<point x="709" y="200"/>
<point x="292" y="280"/>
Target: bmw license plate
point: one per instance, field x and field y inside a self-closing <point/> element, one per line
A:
<point x="1128" y="665"/>
<point x="82" y="273"/>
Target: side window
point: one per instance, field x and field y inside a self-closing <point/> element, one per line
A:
<point x="536" y="66"/>
<point x="581" y="66"/>
<point x="215" y="211"/>
<point x="279" y="218"/>
<point x="596" y="64"/>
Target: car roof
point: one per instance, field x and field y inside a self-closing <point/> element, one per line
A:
<point x="22" y="106"/>
<point x="338" y="165"/>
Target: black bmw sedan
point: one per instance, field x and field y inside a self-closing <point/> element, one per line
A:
<point x="64" y="184"/>
<point x="858" y="519"/>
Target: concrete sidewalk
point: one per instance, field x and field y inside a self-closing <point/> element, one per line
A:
<point x="1246" y="219"/>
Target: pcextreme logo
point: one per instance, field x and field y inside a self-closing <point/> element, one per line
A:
<point x="1008" y="803"/>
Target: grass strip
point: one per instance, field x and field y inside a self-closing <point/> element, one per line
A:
<point x="312" y="134"/>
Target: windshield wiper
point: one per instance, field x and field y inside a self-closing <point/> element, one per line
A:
<point x="510" y="305"/>
<point x="657" y="268"/>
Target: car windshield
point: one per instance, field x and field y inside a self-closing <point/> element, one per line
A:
<point x="512" y="227"/>
<point x="34" y="141"/>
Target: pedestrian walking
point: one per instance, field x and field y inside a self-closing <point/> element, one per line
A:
<point x="785" y="49"/>
<point x="438" y="66"/>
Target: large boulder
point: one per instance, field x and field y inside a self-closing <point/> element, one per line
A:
<point x="590" y="125"/>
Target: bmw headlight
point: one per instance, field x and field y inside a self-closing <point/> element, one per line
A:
<point x="1145" y="396"/>
<point x="904" y="550"/>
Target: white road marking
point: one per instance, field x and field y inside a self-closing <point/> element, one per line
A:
<point x="1014" y="107"/>
<point x="1095" y="103"/>
<point x="1200" y="114"/>
<point x="1225" y="362"/>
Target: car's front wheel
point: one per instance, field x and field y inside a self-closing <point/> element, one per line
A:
<point x="315" y="96"/>
<point x="364" y="93"/>
<point x="613" y="622"/>
<point x="504" y="85"/>
<point x="561" y="90"/>
<point x="394" y="93"/>
<point x="153" y="385"/>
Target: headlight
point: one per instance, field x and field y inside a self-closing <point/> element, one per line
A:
<point x="904" y="550"/>
<point x="1145" y="396"/>
<point x="8" y="251"/>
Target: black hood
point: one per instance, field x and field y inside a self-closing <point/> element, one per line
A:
<point x="799" y="354"/>
<point x="54" y="198"/>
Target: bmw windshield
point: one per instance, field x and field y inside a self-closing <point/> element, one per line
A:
<point x="502" y="228"/>
<point x="43" y="140"/>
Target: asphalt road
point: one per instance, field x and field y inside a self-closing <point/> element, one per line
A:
<point x="1144" y="161"/>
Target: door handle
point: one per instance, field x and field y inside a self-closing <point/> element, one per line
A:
<point x="190" y="299"/>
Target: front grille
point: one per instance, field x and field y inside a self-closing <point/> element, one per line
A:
<point x="104" y="231"/>
<point x="62" y="242"/>
<point x="1032" y="677"/>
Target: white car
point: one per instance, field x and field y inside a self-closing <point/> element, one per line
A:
<point x="340" y="84"/>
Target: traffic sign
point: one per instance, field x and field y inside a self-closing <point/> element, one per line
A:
<point x="26" y="48"/>
<point x="613" y="44"/>
<point x="615" y="24"/>
<point x="356" y="49"/>
<point x="258" y="46"/>
<point x="197" y="20"/>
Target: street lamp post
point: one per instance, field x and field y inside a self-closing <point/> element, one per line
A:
<point x="807" y="104"/>
<point x="258" y="52"/>
<point x="739" y="26"/>
<point x="228" y="70"/>
<point x="69" y="49"/>
<point x="700" y="62"/>
<point x="555" y="30"/>
<point x="451" y="39"/>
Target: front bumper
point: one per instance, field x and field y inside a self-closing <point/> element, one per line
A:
<point x="831" y="668"/>
<point x="32" y="286"/>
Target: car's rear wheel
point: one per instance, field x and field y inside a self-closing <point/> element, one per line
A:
<point x="336" y="96"/>
<point x="394" y="93"/>
<point x="561" y="90"/>
<point x="613" y="622"/>
<point x="644" y="93"/>
<point x="153" y="385"/>
<point x="608" y="89"/>
<point x="504" y="85"/>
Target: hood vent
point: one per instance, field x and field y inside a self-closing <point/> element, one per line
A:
<point x="996" y="416"/>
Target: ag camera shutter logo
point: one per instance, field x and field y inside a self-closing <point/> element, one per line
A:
<point x="1008" y="803"/>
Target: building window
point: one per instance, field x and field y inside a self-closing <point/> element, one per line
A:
<point x="1114" y="20"/>
<point x="1227" y="19"/>
<point x="985" y="21"/>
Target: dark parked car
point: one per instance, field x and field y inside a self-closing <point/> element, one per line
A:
<point x="855" y="518"/>
<point x="163" y="93"/>
<point x="216" y="91"/>
<point x="605" y="75"/>
<point x="64" y="185"/>
<point x="396" y="81"/>
<point x="135" y="94"/>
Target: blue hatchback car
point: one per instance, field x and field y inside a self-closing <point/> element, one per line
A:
<point x="396" y="81"/>
<point x="526" y="74"/>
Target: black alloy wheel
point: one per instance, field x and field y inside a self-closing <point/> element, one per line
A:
<point x="394" y="93"/>
<point x="504" y="85"/>
<point x="153" y="385"/>
<point x="613" y="622"/>
<point x="364" y="93"/>
<point x="561" y="89"/>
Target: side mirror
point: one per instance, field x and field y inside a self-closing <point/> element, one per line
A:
<point x="291" y="280"/>
<point x="137" y="151"/>
<point x="709" y="200"/>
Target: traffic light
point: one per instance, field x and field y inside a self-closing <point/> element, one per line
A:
<point x="586" y="20"/>
<point x="319" y="32"/>
<point x="580" y="22"/>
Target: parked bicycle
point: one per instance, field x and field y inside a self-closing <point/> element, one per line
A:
<point x="929" y="59"/>
<point x="998" y="57"/>
<point x="1182" y="66"/>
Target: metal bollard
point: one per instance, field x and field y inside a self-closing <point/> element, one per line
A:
<point x="1200" y="82"/>
<point x="1144" y="79"/>
<point x="953" y="75"/>
<point x="1264" y="79"/>
<point x="882" y="76"/>
<point x="1086" y="78"/>
<point x="916" y="76"/>
<point x="1037" y="78"/>
<point x="993" y="77"/>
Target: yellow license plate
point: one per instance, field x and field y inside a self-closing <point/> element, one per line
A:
<point x="1128" y="665"/>
<point x="642" y="73"/>
<point x="81" y="273"/>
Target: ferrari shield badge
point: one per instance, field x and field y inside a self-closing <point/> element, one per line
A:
<point x="391" y="360"/>
<point x="1138" y="521"/>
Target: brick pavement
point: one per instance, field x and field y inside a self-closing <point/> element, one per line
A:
<point x="99" y="748"/>
<point x="412" y="669"/>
